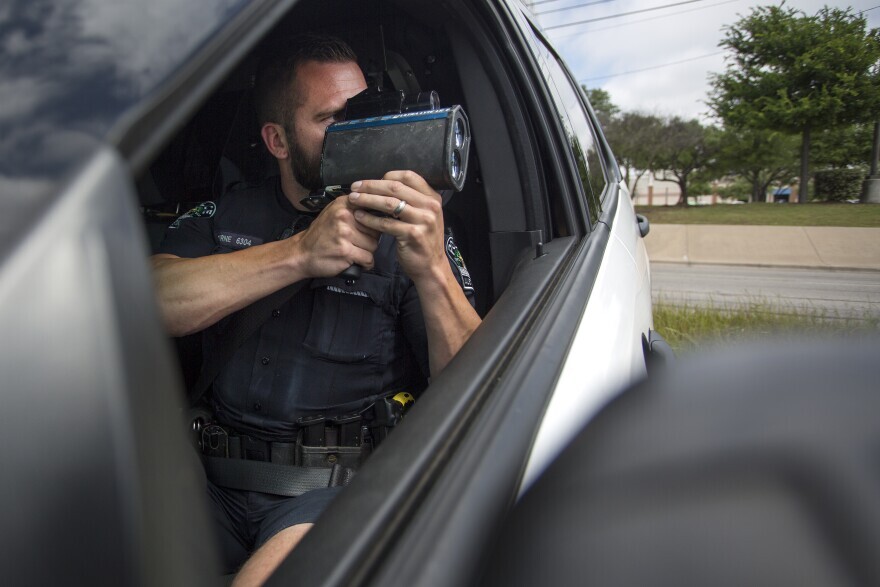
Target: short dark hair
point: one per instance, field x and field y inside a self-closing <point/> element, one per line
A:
<point x="277" y="73"/>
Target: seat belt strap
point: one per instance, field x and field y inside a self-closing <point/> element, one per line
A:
<point x="242" y="326"/>
<point x="245" y="322"/>
<point x="265" y="477"/>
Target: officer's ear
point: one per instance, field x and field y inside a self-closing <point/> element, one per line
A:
<point x="275" y="139"/>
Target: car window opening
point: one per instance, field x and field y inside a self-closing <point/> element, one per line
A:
<point x="220" y="151"/>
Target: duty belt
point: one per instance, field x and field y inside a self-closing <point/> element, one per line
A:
<point x="326" y="453"/>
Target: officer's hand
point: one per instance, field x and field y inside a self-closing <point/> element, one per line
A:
<point x="334" y="241"/>
<point x="418" y="228"/>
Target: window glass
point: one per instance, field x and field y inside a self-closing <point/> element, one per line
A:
<point x="576" y="124"/>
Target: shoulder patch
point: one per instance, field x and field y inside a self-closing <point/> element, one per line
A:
<point x="455" y="256"/>
<point x="203" y="210"/>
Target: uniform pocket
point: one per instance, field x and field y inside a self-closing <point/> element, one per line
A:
<point x="351" y="324"/>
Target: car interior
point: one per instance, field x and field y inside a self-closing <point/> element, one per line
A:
<point x="220" y="150"/>
<point x="506" y="206"/>
<point x="512" y="210"/>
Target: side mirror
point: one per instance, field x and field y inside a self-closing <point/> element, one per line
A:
<point x="644" y="225"/>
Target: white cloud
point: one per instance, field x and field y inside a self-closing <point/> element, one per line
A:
<point x="600" y="54"/>
<point x="141" y="53"/>
<point x="17" y="96"/>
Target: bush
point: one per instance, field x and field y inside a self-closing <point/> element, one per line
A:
<point x="739" y="189"/>
<point x="837" y="185"/>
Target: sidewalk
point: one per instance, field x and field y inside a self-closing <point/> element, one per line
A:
<point x="780" y="246"/>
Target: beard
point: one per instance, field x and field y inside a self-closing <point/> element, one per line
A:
<point x="306" y="168"/>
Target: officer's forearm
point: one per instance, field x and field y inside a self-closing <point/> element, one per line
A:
<point x="196" y="293"/>
<point x="449" y="317"/>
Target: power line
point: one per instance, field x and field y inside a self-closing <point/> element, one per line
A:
<point x="623" y="24"/>
<point x="572" y="7"/>
<point x="589" y="79"/>
<point x="671" y="14"/>
<point x="568" y="24"/>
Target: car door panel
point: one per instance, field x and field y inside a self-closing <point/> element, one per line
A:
<point x="606" y="352"/>
<point x="628" y="232"/>
<point x="89" y="399"/>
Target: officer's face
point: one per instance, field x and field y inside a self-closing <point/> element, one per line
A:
<point x="322" y="89"/>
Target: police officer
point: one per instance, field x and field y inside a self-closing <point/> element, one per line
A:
<point x="334" y="345"/>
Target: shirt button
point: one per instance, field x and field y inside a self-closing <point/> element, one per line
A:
<point x="276" y="313"/>
<point x="265" y="360"/>
<point x="258" y="406"/>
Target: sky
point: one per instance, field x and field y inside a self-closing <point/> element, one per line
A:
<point x="658" y="61"/>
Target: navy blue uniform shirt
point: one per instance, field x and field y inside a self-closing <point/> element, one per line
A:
<point x="332" y="348"/>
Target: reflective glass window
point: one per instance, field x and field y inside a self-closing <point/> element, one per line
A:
<point x="576" y="123"/>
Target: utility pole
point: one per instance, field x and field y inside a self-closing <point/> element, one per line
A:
<point x="871" y="187"/>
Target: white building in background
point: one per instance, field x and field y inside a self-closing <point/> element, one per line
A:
<point x="650" y="191"/>
<point x="662" y="193"/>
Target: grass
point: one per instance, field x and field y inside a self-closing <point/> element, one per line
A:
<point x="688" y="328"/>
<point x="814" y="214"/>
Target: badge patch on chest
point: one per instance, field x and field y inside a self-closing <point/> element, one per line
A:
<point x="236" y="241"/>
<point x="203" y="210"/>
<point x="455" y="256"/>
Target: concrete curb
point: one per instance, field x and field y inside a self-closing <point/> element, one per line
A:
<point x="770" y="246"/>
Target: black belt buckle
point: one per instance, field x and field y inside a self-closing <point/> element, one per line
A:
<point x="215" y="441"/>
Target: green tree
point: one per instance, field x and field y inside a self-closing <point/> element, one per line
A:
<point x="687" y="152"/>
<point x="761" y="157"/>
<point x="739" y="189"/>
<point x="636" y="140"/>
<point x="602" y="105"/>
<point x="796" y="73"/>
<point x="844" y="146"/>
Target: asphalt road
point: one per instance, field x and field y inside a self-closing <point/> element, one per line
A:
<point x="833" y="292"/>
